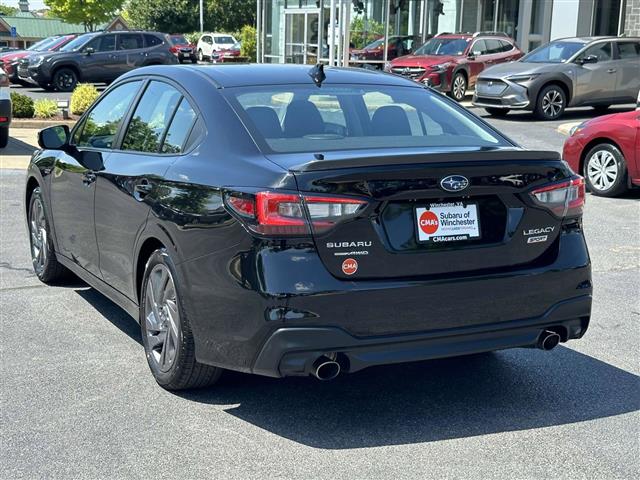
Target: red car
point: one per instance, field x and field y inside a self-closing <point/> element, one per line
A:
<point x="606" y="151"/>
<point x="452" y="62"/>
<point x="182" y="48"/>
<point x="227" y="55"/>
<point x="9" y="61"/>
<point x="397" y="45"/>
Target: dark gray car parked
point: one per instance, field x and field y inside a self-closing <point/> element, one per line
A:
<point x="570" y="72"/>
<point x="96" y="57"/>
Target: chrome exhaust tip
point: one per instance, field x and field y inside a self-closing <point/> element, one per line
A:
<point x="325" y="369"/>
<point x="548" y="340"/>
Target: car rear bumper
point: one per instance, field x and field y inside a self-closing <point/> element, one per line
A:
<point x="259" y="293"/>
<point x="293" y="351"/>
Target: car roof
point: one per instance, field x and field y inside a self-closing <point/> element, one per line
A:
<point x="584" y="40"/>
<point x="255" y="74"/>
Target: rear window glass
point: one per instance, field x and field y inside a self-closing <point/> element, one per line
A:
<point x="288" y="119"/>
<point x="225" y="39"/>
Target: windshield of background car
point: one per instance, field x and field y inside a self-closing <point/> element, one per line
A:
<point x="225" y="40"/>
<point x="178" y="40"/>
<point x="42" y="44"/>
<point x="444" y="46"/>
<point x="554" y="52"/>
<point x="77" y="43"/>
<point x="288" y="119"/>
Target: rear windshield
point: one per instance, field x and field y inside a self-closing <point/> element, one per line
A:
<point x="178" y="40"/>
<point x="225" y="39"/>
<point x="288" y="119"/>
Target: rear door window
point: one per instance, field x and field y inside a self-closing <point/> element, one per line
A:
<point x="152" y="40"/>
<point x="151" y="117"/>
<point x="181" y="125"/>
<point x="628" y="50"/>
<point x="493" y="46"/>
<point x="101" y="124"/>
<point x="129" y="41"/>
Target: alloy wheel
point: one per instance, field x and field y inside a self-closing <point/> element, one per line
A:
<point x="459" y="87"/>
<point x="552" y="103"/>
<point x="38" y="232"/>
<point x="162" y="319"/>
<point x="602" y="170"/>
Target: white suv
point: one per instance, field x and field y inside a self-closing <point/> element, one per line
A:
<point x="213" y="42"/>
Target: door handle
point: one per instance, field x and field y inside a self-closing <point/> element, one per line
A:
<point x="142" y="189"/>
<point x="611" y="70"/>
<point x="88" y="178"/>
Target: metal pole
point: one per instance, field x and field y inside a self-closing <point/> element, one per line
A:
<point x="201" y="17"/>
<point x="347" y="31"/>
<point x="386" y="33"/>
<point x="331" y="32"/>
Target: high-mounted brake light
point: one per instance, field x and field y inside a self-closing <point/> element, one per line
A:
<point x="291" y="214"/>
<point x="565" y="199"/>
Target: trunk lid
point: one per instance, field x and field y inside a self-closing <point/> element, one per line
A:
<point x="485" y="226"/>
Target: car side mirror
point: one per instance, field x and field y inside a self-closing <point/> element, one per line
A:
<point x="91" y="160"/>
<point x="471" y="56"/>
<point x="588" y="59"/>
<point x="89" y="50"/>
<point x="54" y="138"/>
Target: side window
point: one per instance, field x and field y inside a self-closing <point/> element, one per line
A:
<point x="129" y="41"/>
<point x="629" y="50"/>
<point x="179" y="128"/>
<point x="479" y="48"/>
<point x="391" y="118"/>
<point x="602" y="51"/>
<point x="150" y="119"/>
<point x="493" y="46"/>
<point x="152" y="40"/>
<point x="101" y="124"/>
<point x="107" y="43"/>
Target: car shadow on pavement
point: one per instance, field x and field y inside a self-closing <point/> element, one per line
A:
<point x="431" y="401"/>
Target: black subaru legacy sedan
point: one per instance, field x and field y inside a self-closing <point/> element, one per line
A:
<point x="280" y="221"/>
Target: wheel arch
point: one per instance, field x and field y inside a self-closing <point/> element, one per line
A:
<point x="150" y="245"/>
<point x="32" y="184"/>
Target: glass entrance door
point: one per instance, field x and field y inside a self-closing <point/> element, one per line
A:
<point x="301" y="37"/>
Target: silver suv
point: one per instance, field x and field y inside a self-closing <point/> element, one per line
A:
<point x="571" y="72"/>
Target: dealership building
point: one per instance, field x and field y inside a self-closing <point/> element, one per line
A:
<point x="308" y="31"/>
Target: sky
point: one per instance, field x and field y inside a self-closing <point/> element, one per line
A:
<point x="33" y="4"/>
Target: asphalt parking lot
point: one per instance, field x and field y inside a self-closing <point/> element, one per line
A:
<point x="78" y="401"/>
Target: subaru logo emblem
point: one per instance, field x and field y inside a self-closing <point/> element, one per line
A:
<point x="490" y="83"/>
<point x="405" y="71"/>
<point x="454" y="183"/>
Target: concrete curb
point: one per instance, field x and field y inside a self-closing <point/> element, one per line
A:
<point x="39" y="124"/>
<point x="565" y="128"/>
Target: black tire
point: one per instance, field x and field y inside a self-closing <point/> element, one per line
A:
<point x="4" y="136"/>
<point x="609" y="157"/>
<point x="551" y="103"/>
<point x="200" y="55"/>
<point x="182" y="370"/>
<point x="497" y="112"/>
<point x="458" y="87"/>
<point x="601" y="109"/>
<point x="46" y="267"/>
<point x="194" y="60"/>
<point x="65" y="80"/>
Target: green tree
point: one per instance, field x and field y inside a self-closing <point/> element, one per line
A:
<point x="229" y="15"/>
<point x="7" y="10"/>
<point x="90" y="13"/>
<point x="176" y="16"/>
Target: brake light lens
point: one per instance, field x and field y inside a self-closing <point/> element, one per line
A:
<point x="291" y="214"/>
<point x="564" y="199"/>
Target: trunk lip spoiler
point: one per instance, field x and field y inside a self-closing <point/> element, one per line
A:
<point x="426" y="157"/>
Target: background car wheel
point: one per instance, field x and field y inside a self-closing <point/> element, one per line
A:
<point x="551" y="103"/>
<point x="497" y="112"/>
<point x="4" y="137"/>
<point x="605" y="171"/>
<point x="65" y="80"/>
<point x="194" y="60"/>
<point x="166" y="331"/>
<point x="43" y="257"/>
<point x="458" y="87"/>
<point x="200" y="56"/>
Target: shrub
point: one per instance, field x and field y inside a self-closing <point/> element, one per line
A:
<point x="22" y="105"/>
<point x="45" y="108"/>
<point x="248" y="37"/>
<point x="192" y="37"/>
<point x="82" y="98"/>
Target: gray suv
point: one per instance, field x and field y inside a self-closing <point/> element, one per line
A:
<point x="571" y="72"/>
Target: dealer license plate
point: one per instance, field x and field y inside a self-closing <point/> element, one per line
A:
<point x="447" y="222"/>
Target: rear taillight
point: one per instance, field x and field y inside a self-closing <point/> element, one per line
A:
<point x="291" y="214"/>
<point x="173" y="49"/>
<point x="565" y="199"/>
